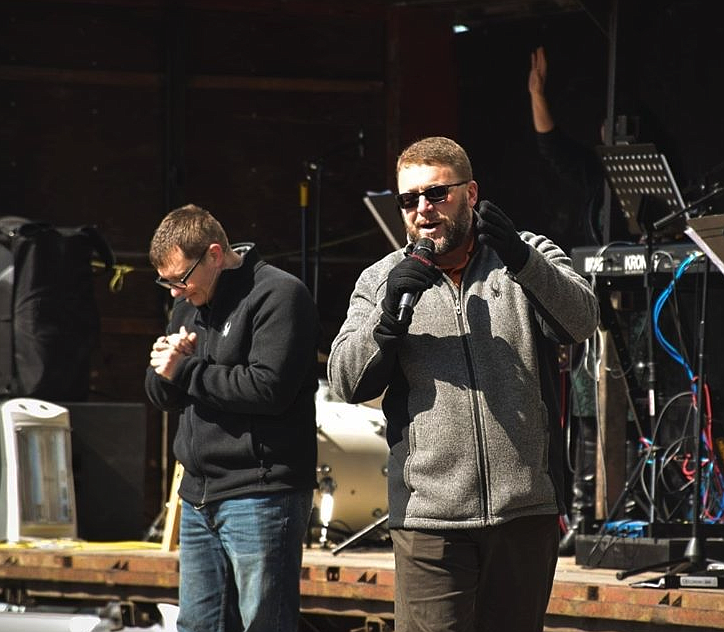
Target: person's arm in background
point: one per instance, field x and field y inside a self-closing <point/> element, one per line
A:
<point x="542" y="119"/>
<point x="570" y="160"/>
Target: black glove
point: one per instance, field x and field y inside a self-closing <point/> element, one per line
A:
<point x="497" y="231"/>
<point x="413" y="274"/>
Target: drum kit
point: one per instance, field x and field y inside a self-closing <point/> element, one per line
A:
<point x="351" y="466"/>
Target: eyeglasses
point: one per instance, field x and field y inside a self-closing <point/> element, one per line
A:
<point x="434" y="195"/>
<point x="181" y="284"/>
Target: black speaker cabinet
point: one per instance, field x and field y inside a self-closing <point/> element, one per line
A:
<point x="109" y="462"/>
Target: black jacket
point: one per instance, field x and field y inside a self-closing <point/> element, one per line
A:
<point x="247" y="394"/>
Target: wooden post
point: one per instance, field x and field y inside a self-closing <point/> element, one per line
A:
<point x="173" y="512"/>
<point x="613" y="411"/>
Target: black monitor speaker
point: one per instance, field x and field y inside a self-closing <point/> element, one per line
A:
<point x="109" y="467"/>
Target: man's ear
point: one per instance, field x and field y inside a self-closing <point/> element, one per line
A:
<point x="216" y="252"/>
<point x="472" y="193"/>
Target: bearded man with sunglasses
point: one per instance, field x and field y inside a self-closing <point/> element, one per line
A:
<point x="470" y="396"/>
<point x="239" y="359"/>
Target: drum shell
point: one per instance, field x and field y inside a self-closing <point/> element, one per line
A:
<point x="352" y="452"/>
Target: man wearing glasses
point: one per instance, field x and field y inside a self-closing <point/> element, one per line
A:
<point x="239" y="360"/>
<point x="469" y="380"/>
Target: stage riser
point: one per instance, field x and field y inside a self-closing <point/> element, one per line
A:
<point x="628" y="553"/>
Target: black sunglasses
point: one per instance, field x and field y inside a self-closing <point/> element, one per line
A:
<point x="434" y="195"/>
<point x="181" y="284"/>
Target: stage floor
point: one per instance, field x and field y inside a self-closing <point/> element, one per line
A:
<point x="358" y="583"/>
<point x="582" y="599"/>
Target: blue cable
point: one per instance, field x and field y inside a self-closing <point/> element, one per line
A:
<point x="708" y="472"/>
<point x="658" y="306"/>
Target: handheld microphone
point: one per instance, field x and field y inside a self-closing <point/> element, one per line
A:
<point x="424" y="249"/>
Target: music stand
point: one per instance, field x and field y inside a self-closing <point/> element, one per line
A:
<point x="386" y="212"/>
<point x="707" y="232"/>
<point x="642" y="181"/>
<point x="694" y="559"/>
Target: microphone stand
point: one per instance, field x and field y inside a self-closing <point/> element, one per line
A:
<point x="650" y="369"/>
<point x="313" y="173"/>
<point x="694" y="556"/>
<point x="314" y="170"/>
<point x="304" y="208"/>
<point x="668" y="219"/>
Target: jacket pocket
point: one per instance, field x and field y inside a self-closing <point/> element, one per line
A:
<point x="410" y="455"/>
<point x="399" y="462"/>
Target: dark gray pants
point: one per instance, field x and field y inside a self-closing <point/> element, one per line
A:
<point x="475" y="580"/>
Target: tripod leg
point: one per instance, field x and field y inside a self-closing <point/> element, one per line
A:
<point x="623" y="496"/>
<point x="675" y="565"/>
<point x="627" y="489"/>
<point x="360" y="534"/>
<point x="584" y="484"/>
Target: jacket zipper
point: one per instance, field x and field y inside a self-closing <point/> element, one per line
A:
<point x="206" y="328"/>
<point x="477" y="418"/>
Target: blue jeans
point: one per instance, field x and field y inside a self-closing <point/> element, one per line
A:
<point x="240" y="563"/>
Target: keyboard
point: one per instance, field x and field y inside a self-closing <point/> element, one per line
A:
<point x="632" y="259"/>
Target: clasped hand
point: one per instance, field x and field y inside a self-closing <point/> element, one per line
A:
<point x="167" y="351"/>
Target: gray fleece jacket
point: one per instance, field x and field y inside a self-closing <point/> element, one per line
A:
<point x="471" y="395"/>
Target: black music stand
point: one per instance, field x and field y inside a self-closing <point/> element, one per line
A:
<point x="694" y="559"/>
<point x="386" y="212"/>
<point x="642" y="181"/>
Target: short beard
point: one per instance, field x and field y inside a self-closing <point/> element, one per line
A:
<point x="457" y="231"/>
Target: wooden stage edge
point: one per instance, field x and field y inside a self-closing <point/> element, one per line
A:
<point x="356" y="583"/>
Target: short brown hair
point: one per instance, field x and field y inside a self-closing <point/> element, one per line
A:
<point x="191" y="228"/>
<point x="438" y="151"/>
